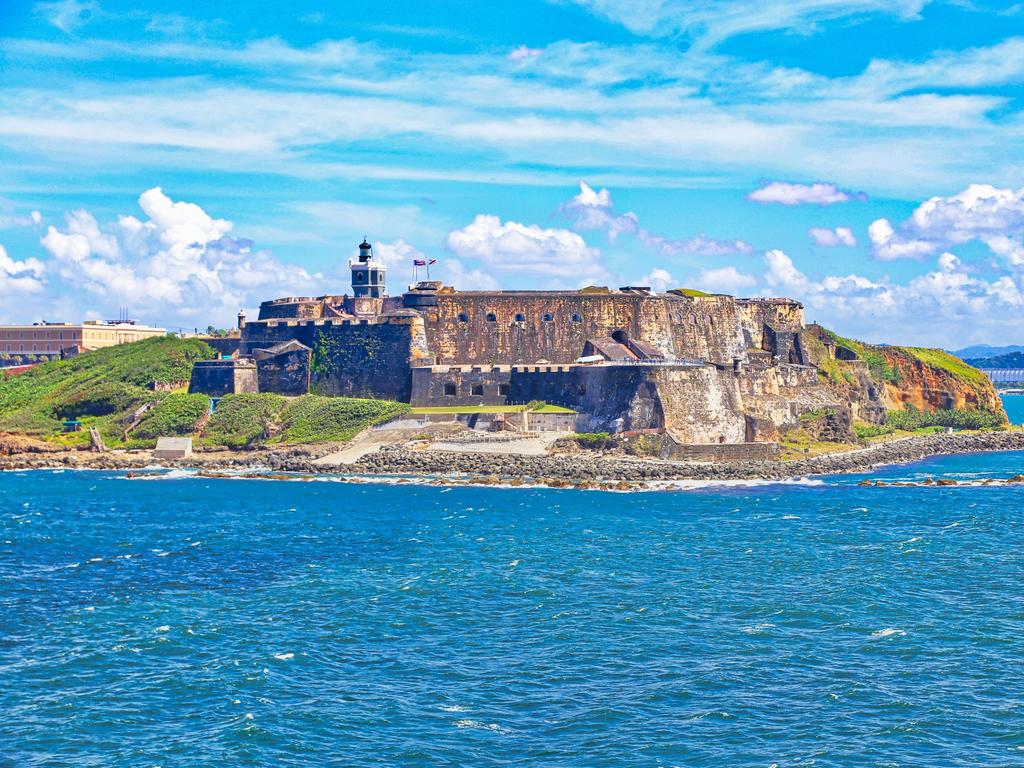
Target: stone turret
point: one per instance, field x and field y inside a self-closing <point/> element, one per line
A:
<point x="369" y="277"/>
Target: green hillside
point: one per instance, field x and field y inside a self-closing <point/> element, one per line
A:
<point x="103" y="389"/>
<point x="99" y="388"/>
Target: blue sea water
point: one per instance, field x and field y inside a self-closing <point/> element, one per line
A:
<point x="191" y="621"/>
<point x="1014" y="405"/>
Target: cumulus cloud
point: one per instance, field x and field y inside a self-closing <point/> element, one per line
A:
<point x="818" y="193"/>
<point x="725" y="280"/>
<point x="830" y="238"/>
<point x="526" y="249"/>
<point x="980" y="212"/>
<point x="658" y="279"/>
<point x="398" y="256"/>
<point x="20" y="276"/>
<point x="594" y="210"/>
<point x="179" y="262"/>
<point x="524" y="53"/>
<point x="945" y="306"/>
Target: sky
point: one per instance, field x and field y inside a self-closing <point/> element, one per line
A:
<point x="865" y="157"/>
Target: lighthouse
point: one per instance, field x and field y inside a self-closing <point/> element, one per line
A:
<point x="369" y="276"/>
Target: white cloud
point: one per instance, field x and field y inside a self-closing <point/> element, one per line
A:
<point x="782" y="273"/>
<point x="526" y="249"/>
<point x="980" y="212"/>
<point x="68" y="15"/>
<point x="831" y="238"/>
<point x="725" y="280"/>
<point x="658" y="279"/>
<point x="708" y="22"/>
<point x="18" y="277"/>
<point x="944" y="307"/>
<point x="592" y="209"/>
<point x="818" y="193"/>
<point x="524" y="53"/>
<point x="179" y="263"/>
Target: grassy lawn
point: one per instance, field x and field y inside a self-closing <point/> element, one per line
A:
<point x="488" y="409"/>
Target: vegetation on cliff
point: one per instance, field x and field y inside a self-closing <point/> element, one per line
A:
<point x="313" y="419"/>
<point x="250" y="419"/>
<point x="928" y="380"/>
<point x="100" y="388"/>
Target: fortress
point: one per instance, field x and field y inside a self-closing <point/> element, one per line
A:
<point x="699" y="369"/>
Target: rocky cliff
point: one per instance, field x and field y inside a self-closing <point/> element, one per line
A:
<point x="876" y="379"/>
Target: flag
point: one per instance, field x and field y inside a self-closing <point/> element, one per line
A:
<point x="419" y="262"/>
<point x="433" y="261"/>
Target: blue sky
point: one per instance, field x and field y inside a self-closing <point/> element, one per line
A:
<point x="864" y="156"/>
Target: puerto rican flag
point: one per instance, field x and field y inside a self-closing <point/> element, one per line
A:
<point x="423" y="262"/>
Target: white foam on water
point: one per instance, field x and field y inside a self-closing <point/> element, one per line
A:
<point x="477" y="724"/>
<point x="514" y="563"/>
<point x="284" y="656"/>
<point x="791" y="517"/>
<point x="453" y="708"/>
<point x="757" y="629"/>
<point x="163" y="628"/>
<point x="887" y="632"/>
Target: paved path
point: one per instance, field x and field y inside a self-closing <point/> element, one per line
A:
<point x="364" y="443"/>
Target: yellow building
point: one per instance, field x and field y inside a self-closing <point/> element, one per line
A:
<point x="51" y="338"/>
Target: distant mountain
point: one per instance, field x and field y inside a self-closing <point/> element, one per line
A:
<point x="980" y="351"/>
<point x="1011" y="360"/>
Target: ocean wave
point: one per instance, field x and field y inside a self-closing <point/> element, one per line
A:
<point x="887" y="632"/>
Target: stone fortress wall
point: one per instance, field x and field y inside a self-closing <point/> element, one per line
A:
<point x="701" y="369"/>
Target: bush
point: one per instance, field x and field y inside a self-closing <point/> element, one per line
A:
<point x="102" y="400"/>
<point x="177" y="414"/>
<point x="865" y="431"/>
<point x="243" y="419"/>
<point x="912" y="419"/>
<point x="592" y="440"/>
<point x="313" y="419"/>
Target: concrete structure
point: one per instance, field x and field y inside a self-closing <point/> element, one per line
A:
<point x="173" y="448"/>
<point x="217" y="378"/>
<point x="702" y="369"/>
<point x="53" y="338"/>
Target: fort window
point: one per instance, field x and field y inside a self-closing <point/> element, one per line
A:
<point x="503" y="389"/>
<point x="577" y="317"/>
<point x="450" y="390"/>
<point x="491" y="317"/>
<point x="520" y="317"/>
<point x="478" y="390"/>
<point x="464" y="318"/>
<point x="547" y="317"/>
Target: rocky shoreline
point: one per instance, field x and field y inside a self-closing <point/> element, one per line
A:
<point x="587" y="470"/>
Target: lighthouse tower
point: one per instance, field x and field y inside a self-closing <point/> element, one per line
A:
<point x="369" y="277"/>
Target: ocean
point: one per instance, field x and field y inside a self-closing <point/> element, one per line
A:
<point x="194" y="621"/>
<point x="1014" y="405"/>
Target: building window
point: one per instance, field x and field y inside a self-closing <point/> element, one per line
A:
<point x="491" y="317"/>
<point x="520" y="317"/>
<point x="547" y="317"/>
<point x="360" y="277"/>
<point x="450" y="390"/>
<point x="577" y="317"/>
<point x="503" y="389"/>
<point x="463" y="317"/>
<point x="478" y="390"/>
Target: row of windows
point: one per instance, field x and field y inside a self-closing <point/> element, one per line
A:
<point x="34" y="335"/>
<point x="477" y="390"/>
<point x="547" y="317"/>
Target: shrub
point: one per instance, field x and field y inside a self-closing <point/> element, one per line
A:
<point x="177" y="414"/>
<point x="592" y="440"/>
<point x="957" y="418"/>
<point x="312" y="418"/>
<point x="243" y="419"/>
